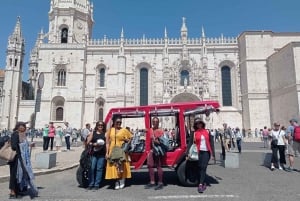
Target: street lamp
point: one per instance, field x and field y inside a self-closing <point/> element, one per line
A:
<point x="37" y="106"/>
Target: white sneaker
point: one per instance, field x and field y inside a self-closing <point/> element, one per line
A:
<point x="122" y="183"/>
<point x="280" y="168"/>
<point x="117" y="185"/>
<point x="272" y="167"/>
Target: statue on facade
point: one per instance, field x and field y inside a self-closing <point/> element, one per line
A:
<point x="206" y="94"/>
<point x="185" y="82"/>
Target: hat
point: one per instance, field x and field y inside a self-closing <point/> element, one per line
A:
<point x="294" y="120"/>
<point x="100" y="142"/>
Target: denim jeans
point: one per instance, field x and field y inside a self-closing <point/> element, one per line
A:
<point x="239" y="144"/>
<point x="96" y="171"/>
<point x="204" y="157"/>
<point x="45" y="143"/>
<point x="67" y="139"/>
<point x="265" y="142"/>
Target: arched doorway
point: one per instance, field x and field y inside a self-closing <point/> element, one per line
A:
<point x="184" y="97"/>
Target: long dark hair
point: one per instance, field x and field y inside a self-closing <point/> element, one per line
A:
<point x="115" y="117"/>
<point x="99" y="123"/>
<point x="18" y="124"/>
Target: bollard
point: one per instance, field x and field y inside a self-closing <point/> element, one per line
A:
<point x="232" y="160"/>
<point x="45" y="160"/>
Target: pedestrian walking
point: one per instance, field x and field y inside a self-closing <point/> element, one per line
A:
<point x="265" y="135"/>
<point x="277" y="145"/>
<point x="45" y="138"/>
<point x="293" y="142"/>
<point x="239" y="138"/>
<point x="58" y="137"/>
<point x="51" y="135"/>
<point x="21" y="173"/>
<point x="68" y="133"/>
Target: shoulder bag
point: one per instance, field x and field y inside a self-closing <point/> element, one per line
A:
<point x="117" y="153"/>
<point x="6" y="153"/>
<point x="193" y="152"/>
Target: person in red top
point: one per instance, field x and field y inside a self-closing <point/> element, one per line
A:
<point x="202" y="141"/>
<point x="51" y="134"/>
<point x="155" y="160"/>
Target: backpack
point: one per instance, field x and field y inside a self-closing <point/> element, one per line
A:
<point x="297" y="133"/>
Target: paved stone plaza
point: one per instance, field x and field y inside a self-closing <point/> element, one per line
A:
<point x="251" y="182"/>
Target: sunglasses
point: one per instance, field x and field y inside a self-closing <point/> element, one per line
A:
<point x="118" y="122"/>
<point x="100" y="125"/>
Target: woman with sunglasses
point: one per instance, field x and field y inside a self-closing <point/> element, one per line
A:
<point x="96" y="140"/>
<point x="203" y="143"/>
<point x="116" y="136"/>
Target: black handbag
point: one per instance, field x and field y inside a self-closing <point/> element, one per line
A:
<point x="274" y="142"/>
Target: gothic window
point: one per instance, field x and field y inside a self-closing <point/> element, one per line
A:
<point x="101" y="77"/>
<point x="59" y="114"/>
<point x="226" y="86"/>
<point x="100" y="114"/>
<point x="144" y="86"/>
<point x="184" y="78"/>
<point x="64" y="35"/>
<point x="58" y="108"/>
<point x="61" y="77"/>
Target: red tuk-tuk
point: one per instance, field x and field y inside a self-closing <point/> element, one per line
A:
<point x="176" y="119"/>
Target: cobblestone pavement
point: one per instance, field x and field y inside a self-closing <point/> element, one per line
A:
<point x="252" y="181"/>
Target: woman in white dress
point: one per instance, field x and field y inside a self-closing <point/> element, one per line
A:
<point x="58" y="138"/>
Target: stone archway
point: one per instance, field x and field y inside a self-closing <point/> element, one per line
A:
<point x="184" y="97"/>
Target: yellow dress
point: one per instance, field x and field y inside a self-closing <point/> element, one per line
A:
<point x="117" y="139"/>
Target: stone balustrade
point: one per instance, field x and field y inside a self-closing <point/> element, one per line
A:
<point x="161" y="41"/>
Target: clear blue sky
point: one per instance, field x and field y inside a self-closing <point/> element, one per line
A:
<point x="149" y="17"/>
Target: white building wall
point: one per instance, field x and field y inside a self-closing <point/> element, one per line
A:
<point x="284" y="102"/>
<point x="255" y="48"/>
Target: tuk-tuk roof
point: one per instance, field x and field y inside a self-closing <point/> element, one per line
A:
<point x="179" y="105"/>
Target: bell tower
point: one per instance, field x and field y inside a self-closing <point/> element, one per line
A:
<point x="13" y="77"/>
<point x="70" y="21"/>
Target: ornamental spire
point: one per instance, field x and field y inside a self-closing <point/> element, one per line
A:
<point x="17" y="34"/>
